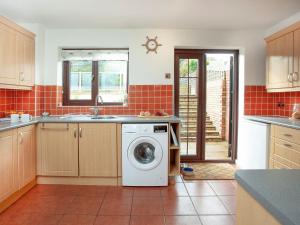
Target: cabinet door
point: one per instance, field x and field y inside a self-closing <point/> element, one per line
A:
<point x="296" y="74"/>
<point x="8" y="163"/>
<point x="57" y="149"/>
<point x="8" y="56"/>
<point x="27" y="155"/>
<point x="26" y="55"/>
<point x="98" y="149"/>
<point x="280" y="62"/>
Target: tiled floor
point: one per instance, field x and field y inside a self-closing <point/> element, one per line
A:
<point x="185" y="203"/>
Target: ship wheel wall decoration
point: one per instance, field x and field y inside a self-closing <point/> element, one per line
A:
<point x="151" y="44"/>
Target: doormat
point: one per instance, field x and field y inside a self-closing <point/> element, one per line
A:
<point x="211" y="171"/>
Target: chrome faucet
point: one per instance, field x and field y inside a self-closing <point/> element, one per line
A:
<point x="96" y="109"/>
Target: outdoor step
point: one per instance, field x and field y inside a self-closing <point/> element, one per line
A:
<point x="193" y="125"/>
<point x="193" y="133"/>
<point x="208" y="139"/>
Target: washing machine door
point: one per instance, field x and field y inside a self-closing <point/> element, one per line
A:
<point x="145" y="153"/>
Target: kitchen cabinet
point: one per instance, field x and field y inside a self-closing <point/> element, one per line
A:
<point x="25" y="50"/>
<point x="98" y="149"/>
<point x="280" y="62"/>
<point x="8" y="163"/>
<point x="284" y="148"/>
<point x="283" y="60"/>
<point x="8" y="56"/>
<point x="17" y="56"/>
<point x="26" y="155"/>
<point x="250" y="212"/>
<point x="57" y="149"/>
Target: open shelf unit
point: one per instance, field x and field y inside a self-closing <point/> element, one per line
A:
<point x="174" y="150"/>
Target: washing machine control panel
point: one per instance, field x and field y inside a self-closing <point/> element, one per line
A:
<point x="160" y="128"/>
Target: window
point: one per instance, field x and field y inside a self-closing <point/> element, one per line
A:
<point x="87" y="73"/>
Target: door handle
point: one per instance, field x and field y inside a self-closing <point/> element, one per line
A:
<point x="75" y="132"/>
<point x="287" y="145"/>
<point x="80" y="132"/>
<point x="21" y="137"/>
<point x="290" y="77"/>
<point x="288" y="135"/>
<point x="295" y="76"/>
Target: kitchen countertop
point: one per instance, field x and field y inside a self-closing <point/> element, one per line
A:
<point x="6" y="124"/>
<point x="278" y="191"/>
<point x="281" y="121"/>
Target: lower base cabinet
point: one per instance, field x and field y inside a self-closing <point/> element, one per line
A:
<point x="57" y="149"/>
<point x="27" y="155"/>
<point x="17" y="163"/>
<point x="72" y="149"/>
<point x="8" y="163"/>
<point x="250" y="212"/>
<point x="98" y="149"/>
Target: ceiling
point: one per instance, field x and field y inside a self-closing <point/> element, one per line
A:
<point x="181" y="14"/>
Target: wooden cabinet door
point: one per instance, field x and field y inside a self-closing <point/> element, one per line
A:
<point x="296" y="78"/>
<point x="27" y="155"/>
<point x="8" y="56"/>
<point x="57" y="149"/>
<point x="26" y="58"/>
<point x="8" y="163"/>
<point x="280" y="62"/>
<point x="98" y="149"/>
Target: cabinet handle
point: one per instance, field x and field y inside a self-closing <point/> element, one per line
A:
<point x="288" y="135"/>
<point x="295" y="76"/>
<point x="21" y="137"/>
<point x="287" y="145"/>
<point x="290" y="77"/>
<point x="80" y="132"/>
<point x="75" y="132"/>
<point x="21" y="76"/>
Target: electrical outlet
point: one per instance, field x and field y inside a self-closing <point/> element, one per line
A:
<point x="167" y="75"/>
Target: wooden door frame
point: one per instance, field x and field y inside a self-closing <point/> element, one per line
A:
<point x="200" y="54"/>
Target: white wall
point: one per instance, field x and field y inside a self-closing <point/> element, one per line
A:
<point x="150" y="68"/>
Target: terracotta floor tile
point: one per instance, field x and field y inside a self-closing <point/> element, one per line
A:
<point x="84" y="205"/>
<point x="209" y="205"/>
<point x="45" y="219"/>
<point x="217" y="220"/>
<point x="147" y="192"/>
<point x="147" y="220"/>
<point x="200" y="188"/>
<point x="223" y="187"/>
<point x="229" y="202"/>
<point x="49" y="205"/>
<point x="116" y="206"/>
<point x="147" y="206"/>
<point x="177" y="189"/>
<point x="16" y="219"/>
<point x="112" y="220"/>
<point x="119" y="191"/>
<point x="182" y="220"/>
<point x="77" y="220"/>
<point x="178" y="206"/>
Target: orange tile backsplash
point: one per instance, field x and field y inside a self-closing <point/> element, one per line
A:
<point x="261" y="103"/>
<point x="49" y="98"/>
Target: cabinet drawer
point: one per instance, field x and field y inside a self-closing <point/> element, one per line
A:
<point x="278" y="165"/>
<point x="288" y="134"/>
<point x="287" y="153"/>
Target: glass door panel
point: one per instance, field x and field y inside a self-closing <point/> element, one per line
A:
<point x="188" y="105"/>
<point x="218" y="106"/>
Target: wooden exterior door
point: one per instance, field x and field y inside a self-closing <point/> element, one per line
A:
<point x="189" y="92"/>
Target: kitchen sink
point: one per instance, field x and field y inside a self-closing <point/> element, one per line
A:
<point x="102" y="117"/>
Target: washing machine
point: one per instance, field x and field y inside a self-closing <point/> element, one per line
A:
<point x="145" y="154"/>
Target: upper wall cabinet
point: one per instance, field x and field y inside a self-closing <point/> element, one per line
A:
<point x="17" y="58"/>
<point x="282" y="64"/>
